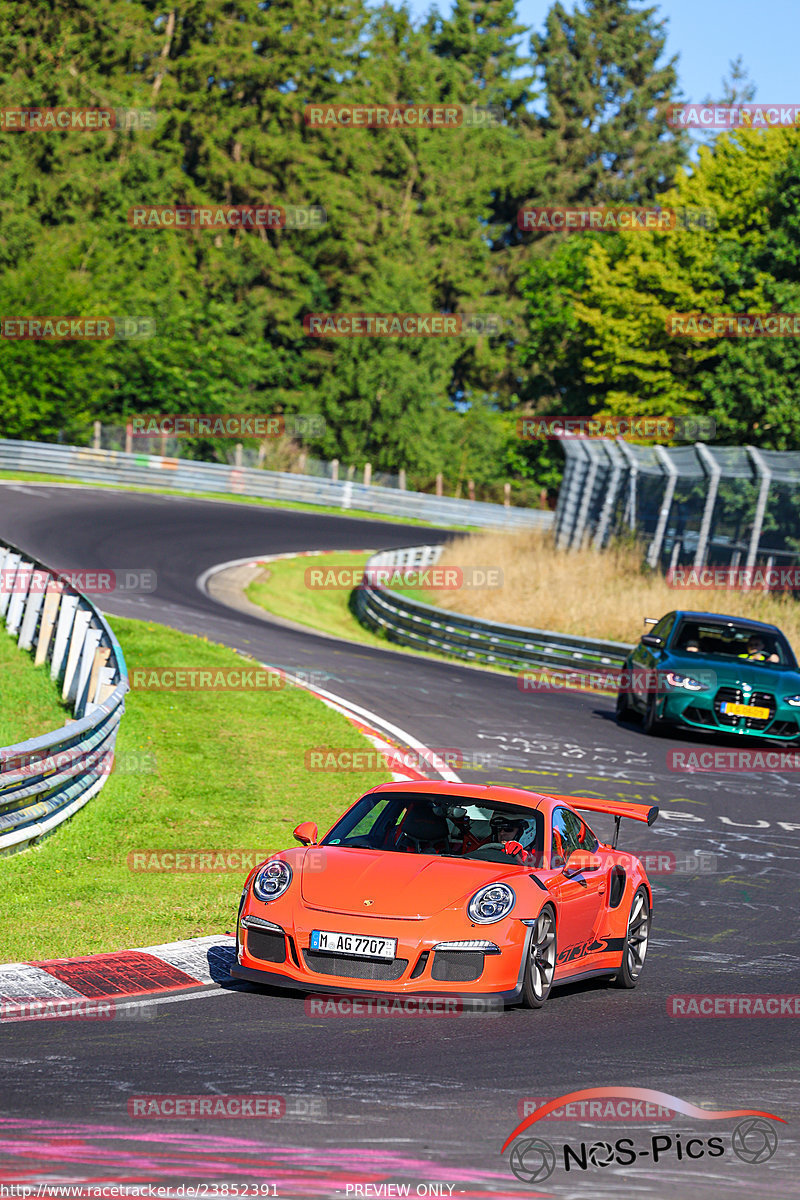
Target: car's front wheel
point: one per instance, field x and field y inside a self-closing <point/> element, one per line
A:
<point x="651" y="721"/>
<point x="623" y="706"/>
<point x="636" y="939"/>
<point x="541" y="964"/>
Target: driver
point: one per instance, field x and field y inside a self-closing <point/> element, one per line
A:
<point x="756" y="651"/>
<point x="508" y="830"/>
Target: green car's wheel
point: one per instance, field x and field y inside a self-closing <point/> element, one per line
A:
<point x="623" y="706"/>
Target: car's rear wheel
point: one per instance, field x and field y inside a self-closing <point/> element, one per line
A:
<point x="541" y="964"/>
<point x="636" y="939"/>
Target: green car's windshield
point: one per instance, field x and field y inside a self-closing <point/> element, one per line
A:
<point x="727" y="640"/>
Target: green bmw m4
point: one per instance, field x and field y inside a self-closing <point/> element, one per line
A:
<point x="711" y="672"/>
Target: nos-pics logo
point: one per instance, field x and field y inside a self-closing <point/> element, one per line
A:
<point x="753" y="1139"/>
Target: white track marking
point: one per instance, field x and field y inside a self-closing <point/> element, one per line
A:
<point x="346" y="707"/>
<point x="255" y="560"/>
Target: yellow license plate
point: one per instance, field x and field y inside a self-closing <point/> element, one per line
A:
<point x="745" y="710"/>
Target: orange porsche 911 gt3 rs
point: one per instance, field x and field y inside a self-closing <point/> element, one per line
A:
<point x="441" y="888"/>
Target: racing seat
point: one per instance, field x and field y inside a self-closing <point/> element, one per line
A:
<point x="422" y="831"/>
<point x="557" y="856"/>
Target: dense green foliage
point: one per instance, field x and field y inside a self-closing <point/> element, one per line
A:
<point x="417" y="221"/>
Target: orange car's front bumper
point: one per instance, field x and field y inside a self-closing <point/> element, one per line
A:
<point x="282" y="956"/>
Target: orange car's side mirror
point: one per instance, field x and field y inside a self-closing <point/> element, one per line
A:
<point x="306" y="833"/>
<point x="580" y="861"/>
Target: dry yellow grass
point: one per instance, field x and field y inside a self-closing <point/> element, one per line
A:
<point x="602" y="595"/>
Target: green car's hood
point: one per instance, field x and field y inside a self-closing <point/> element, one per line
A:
<point x="780" y="681"/>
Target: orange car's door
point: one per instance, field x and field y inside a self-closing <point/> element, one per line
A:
<point x="578" y="882"/>
<point x="583" y="899"/>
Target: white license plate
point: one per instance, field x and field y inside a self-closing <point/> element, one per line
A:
<point x="353" y="943"/>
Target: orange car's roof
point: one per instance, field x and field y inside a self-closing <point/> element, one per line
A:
<point x="473" y="791"/>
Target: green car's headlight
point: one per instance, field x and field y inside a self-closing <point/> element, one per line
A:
<point x="272" y="880"/>
<point x="685" y="681"/>
<point x="793" y="700"/>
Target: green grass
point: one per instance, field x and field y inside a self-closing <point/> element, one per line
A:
<point x="285" y="594"/>
<point x="226" y="771"/>
<point x="30" y="703"/>
<point x="360" y="514"/>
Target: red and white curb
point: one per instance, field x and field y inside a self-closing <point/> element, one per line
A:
<point x="121" y="975"/>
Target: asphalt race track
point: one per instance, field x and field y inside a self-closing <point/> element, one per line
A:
<point x="429" y="1102"/>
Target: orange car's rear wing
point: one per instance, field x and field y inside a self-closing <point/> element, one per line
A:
<point x="616" y="808"/>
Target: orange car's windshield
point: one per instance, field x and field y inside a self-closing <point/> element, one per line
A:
<point x="446" y="826"/>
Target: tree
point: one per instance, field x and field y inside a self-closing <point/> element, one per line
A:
<point x="631" y="365"/>
<point x="606" y="95"/>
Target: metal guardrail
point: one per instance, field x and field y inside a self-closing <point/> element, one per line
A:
<point x="412" y="623"/>
<point x="143" y="470"/>
<point x="44" y="780"/>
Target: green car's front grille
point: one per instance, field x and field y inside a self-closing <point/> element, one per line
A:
<point x="731" y="695"/>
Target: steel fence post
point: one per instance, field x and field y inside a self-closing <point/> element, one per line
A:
<point x="654" y="550"/>
<point x="713" y="471"/>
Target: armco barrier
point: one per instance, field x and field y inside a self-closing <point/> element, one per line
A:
<point x="45" y="780"/>
<point x="413" y="623"/>
<point x="143" y="470"/>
